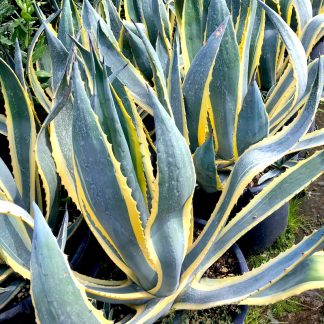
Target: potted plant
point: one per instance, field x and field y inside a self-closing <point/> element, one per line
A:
<point x="141" y="216"/>
<point x="164" y="269"/>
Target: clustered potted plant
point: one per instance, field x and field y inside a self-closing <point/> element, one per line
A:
<point x="191" y="69"/>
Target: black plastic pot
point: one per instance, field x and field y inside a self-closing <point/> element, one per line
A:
<point x="243" y="267"/>
<point x="19" y="313"/>
<point x="258" y="238"/>
<point x="204" y="203"/>
<point x="265" y="233"/>
<point x="240" y="317"/>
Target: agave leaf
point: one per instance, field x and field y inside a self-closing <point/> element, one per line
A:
<point x="150" y="20"/>
<point x="234" y="7"/>
<point x="307" y="275"/>
<point x="133" y="10"/>
<point x="61" y="132"/>
<point x="62" y="235"/>
<point x="3" y="125"/>
<point x="91" y="19"/>
<point x="282" y="93"/>
<point x="74" y="226"/>
<point x="162" y="19"/>
<point x="135" y="146"/>
<point x="269" y="57"/>
<point x="90" y="58"/>
<point x="280" y="111"/>
<point x="158" y="73"/>
<point x="280" y="117"/>
<point x="34" y="82"/>
<point x="50" y="180"/>
<point x="295" y="50"/>
<point x="111" y="208"/>
<point x="253" y="124"/>
<point x="120" y="292"/>
<point x="303" y="10"/>
<point x="8" y="293"/>
<point x="157" y="24"/>
<point x="153" y="310"/>
<point x="59" y="57"/>
<point x="66" y="27"/>
<point x="317" y="7"/>
<point x="21" y="133"/>
<point x="244" y="46"/>
<point x="253" y="161"/>
<point x="59" y="147"/>
<point x="304" y="13"/>
<point x="112" y="127"/>
<point x="61" y="142"/>
<point x="8" y="185"/>
<point x="15" y="244"/>
<point x="196" y="87"/>
<point x="208" y="293"/>
<point x="257" y="41"/>
<point x="162" y="51"/>
<point x="112" y="14"/>
<point x="129" y="76"/>
<point x="144" y="151"/>
<point x="47" y="260"/>
<point x="241" y="22"/>
<point x="178" y="5"/>
<point x="106" y="243"/>
<point x="19" y="70"/>
<point x="140" y="54"/>
<point x="204" y="160"/>
<point x="175" y="91"/>
<point x="310" y="140"/>
<point x="274" y="195"/>
<point x="77" y="21"/>
<point x="46" y="166"/>
<point x="284" y="89"/>
<point x="205" y="8"/>
<point x="191" y="31"/>
<point x="170" y="218"/>
<point x="224" y="85"/>
<point x="5" y="272"/>
<point x="312" y="33"/>
<point x="269" y="175"/>
<point x="246" y="19"/>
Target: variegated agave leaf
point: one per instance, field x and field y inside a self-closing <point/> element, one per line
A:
<point x="141" y="211"/>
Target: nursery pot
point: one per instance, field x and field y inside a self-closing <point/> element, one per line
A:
<point x="242" y="266"/>
<point x="265" y="233"/>
<point x="18" y="313"/>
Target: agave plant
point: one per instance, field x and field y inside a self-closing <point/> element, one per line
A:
<point x="206" y="83"/>
<point x="154" y="246"/>
<point x="141" y="213"/>
<point x="211" y="90"/>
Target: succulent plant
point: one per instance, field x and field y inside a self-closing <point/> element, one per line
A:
<point x="212" y="90"/>
<point x="135" y="189"/>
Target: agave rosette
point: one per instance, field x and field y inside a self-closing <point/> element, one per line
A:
<point x="141" y="211"/>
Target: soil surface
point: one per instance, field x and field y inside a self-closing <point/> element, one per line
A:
<point x="312" y="210"/>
